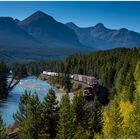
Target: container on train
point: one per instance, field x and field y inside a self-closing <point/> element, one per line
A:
<point x="90" y="80"/>
<point x="75" y="77"/>
<point x="84" y="78"/>
<point x="80" y="78"/>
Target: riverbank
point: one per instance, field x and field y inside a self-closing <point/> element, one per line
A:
<point x="9" y="105"/>
<point x="76" y="87"/>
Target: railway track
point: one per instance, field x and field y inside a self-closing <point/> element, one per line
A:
<point x="13" y="135"/>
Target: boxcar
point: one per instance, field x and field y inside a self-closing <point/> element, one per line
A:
<point x="90" y="80"/>
<point x="84" y="79"/>
<point x="75" y="77"/>
<point x="80" y="78"/>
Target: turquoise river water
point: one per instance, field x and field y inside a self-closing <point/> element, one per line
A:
<point x="9" y="105"/>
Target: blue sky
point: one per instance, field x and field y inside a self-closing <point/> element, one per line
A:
<point x="113" y="15"/>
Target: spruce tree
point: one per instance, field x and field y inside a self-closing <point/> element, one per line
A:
<point x="95" y="118"/>
<point x="80" y="116"/>
<point x="81" y="133"/>
<point x="78" y="109"/>
<point x="134" y="121"/>
<point x="137" y="77"/>
<point x="134" y="126"/>
<point x="115" y="122"/>
<point x="27" y="118"/>
<point x="67" y="83"/>
<point x="21" y="113"/>
<point x="49" y="116"/>
<point x="65" y="126"/>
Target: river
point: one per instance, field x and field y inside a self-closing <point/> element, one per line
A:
<point x="9" y="105"/>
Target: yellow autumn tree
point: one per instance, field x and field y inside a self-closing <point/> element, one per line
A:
<point x="113" y="120"/>
<point x="126" y="109"/>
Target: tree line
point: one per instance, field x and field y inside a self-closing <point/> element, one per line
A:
<point x="76" y="118"/>
<point x="114" y="69"/>
<point x="118" y="70"/>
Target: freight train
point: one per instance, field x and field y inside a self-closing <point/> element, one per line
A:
<point x="89" y="80"/>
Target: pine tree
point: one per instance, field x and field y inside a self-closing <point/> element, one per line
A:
<point x="78" y="107"/>
<point x="134" y="121"/>
<point x="81" y="133"/>
<point x="67" y="83"/>
<point x="2" y="129"/>
<point x="79" y="112"/>
<point x="27" y="118"/>
<point x="131" y="90"/>
<point x="137" y="77"/>
<point x="128" y="87"/>
<point x="21" y="114"/>
<point x="34" y="110"/>
<point x="95" y="118"/>
<point x="49" y="116"/>
<point x="65" y="127"/>
<point x="115" y="121"/>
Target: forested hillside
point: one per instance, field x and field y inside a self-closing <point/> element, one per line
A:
<point x="114" y="69"/>
<point x="41" y="37"/>
<point x="118" y="70"/>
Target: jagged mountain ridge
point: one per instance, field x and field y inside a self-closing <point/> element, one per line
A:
<point x="40" y="36"/>
<point x="100" y="37"/>
<point x="46" y="29"/>
<point x="12" y="34"/>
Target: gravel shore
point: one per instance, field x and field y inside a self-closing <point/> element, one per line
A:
<point x="60" y="94"/>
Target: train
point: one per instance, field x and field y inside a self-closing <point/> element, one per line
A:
<point x="85" y="79"/>
<point x="89" y="80"/>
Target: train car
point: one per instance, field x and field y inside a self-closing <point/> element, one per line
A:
<point x="80" y="78"/>
<point x="84" y="78"/>
<point x="90" y="80"/>
<point x="75" y="77"/>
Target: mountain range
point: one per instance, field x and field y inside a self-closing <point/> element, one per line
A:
<point x="41" y="37"/>
<point x="101" y="38"/>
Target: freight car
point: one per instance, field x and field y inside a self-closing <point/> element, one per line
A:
<point x="85" y="79"/>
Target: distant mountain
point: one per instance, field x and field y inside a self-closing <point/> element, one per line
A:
<point x="16" y="20"/>
<point x="41" y="37"/>
<point x="100" y="37"/>
<point x="12" y="34"/>
<point x="46" y="29"/>
<point x="37" y="37"/>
